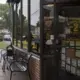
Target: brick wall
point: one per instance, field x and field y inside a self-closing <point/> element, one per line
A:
<point x="34" y="68"/>
<point x="34" y="64"/>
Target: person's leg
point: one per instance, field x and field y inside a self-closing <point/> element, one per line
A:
<point x="0" y="57"/>
<point x="4" y="62"/>
<point x="3" y="67"/>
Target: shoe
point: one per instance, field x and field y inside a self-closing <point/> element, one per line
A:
<point x="3" y="70"/>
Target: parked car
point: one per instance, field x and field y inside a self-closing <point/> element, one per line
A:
<point x="7" y="38"/>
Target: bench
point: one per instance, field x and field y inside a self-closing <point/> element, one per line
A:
<point x="14" y="64"/>
<point x="20" y="65"/>
<point x="17" y="66"/>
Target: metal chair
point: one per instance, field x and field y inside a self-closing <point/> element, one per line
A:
<point x="19" y="66"/>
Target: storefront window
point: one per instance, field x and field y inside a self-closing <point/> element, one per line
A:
<point x="48" y="24"/>
<point x="35" y="25"/>
<point x="73" y="24"/>
<point x="17" y="28"/>
<point x="20" y="26"/>
<point x="15" y="23"/>
<point x="25" y="25"/>
<point x="50" y="29"/>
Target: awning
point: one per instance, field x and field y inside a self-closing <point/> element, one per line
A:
<point x="61" y="1"/>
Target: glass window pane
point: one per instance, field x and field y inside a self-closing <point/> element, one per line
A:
<point x="78" y="62"/>
<point x="25" y="24"/>
<point x="21" y="31"/>
<point x="35" y="27"/>
<point x="77" y="53"/>
<point x="68" y="67"/>
<point x="78" y="72"/>
<point x="62" y="64"/>
<point x="73" y="70"/>
<point x="74" y="62"/>
<point x="15" y="18"/>
<point x="48" y="24"/>
<point x="63" y="57"/>
<point x="18" y="26"/>
<point x="73" y="25"/>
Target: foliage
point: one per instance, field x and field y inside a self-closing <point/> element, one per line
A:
<point x="1" y="38"/>
<point x="3" y="9"/>
<point x="4" y="13"/>
<point x="3" y="45"/>
<point x="18" y="29"/>
<point x="5" y="21"/>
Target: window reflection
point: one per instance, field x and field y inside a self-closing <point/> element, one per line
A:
<point x="49" y="27"/>
<point x="25" y="26"/>
<point x="35" y="27"/>
<point x="48" y="24"/>
<point x="73" y="25"/>
<point x="20" y="31"/>
<point x="15" y="24"/>
<point x="48" y="21"/>
<point x="18" y="26"/>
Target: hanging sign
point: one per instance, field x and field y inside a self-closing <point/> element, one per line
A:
<point x="74" y="25"/>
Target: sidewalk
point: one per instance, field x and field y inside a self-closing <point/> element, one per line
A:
<point x="15" y="76"/>
<point x="2" y="74"/>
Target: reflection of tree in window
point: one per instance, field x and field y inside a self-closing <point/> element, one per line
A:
<point x="75" y="27"/>
<point x="35" y="25"/>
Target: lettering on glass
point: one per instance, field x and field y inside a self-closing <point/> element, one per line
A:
<point x="75" y="27"/>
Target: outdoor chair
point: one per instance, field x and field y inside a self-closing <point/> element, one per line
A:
<point x="19" y="66"/>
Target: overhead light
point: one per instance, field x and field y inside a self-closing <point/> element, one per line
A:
<point x="50" y="5"/>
